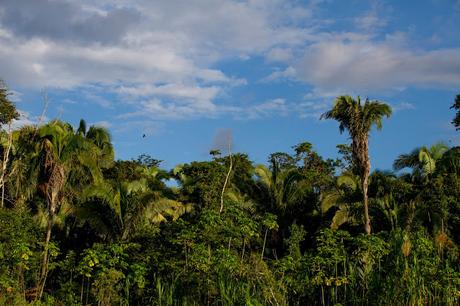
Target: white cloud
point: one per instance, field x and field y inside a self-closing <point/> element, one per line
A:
<point x="168" y="49"/>
<point x="161" y="45"/>
<point x="157" y="109"/>
<point x="39" y="63"/>
<point x="365" y="66"/>
<point x="367" y="60"/>
<point x="172" y="91"/>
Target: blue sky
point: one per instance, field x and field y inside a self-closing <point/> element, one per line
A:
<point x="191" y="74"/>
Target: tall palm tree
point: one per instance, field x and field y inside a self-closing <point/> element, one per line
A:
<point x="358" y="118"/>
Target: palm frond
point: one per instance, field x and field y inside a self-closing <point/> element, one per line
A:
<point x="341" y="217"/>
<point x="264" y="174"/>
<point x="329" y="201"/>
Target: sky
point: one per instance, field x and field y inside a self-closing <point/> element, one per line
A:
<point x="175" y="79"/>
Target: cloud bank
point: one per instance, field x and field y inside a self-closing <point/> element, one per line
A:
<point x="162" y="57"/>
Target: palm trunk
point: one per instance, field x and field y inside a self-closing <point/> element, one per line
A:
<point x="47" y="243"/>
<point x="52" y="207"/>
<point x="367" y="220"/>
<point x="360" y="147"/>
<point x="366" y="169"/>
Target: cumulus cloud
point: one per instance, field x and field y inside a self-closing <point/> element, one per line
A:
<point x="41" y="63"/>
<point x="150" y="50"/>
<point x="366" y="65"/>
<point x="364" y="59"/>
<point x="69" y="43"/>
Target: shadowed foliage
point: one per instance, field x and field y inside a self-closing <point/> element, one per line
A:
<point x="79" y="228"/>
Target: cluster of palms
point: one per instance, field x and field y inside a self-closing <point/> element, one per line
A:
<point x="58" y="173"/>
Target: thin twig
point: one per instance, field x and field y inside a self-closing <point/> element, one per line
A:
<point x="45" y="107"/>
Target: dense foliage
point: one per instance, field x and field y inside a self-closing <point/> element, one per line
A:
<point x="78" y="228"/>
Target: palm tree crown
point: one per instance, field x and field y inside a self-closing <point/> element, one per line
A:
<point x="358" y="119"/>
<point x="422" y="160"/>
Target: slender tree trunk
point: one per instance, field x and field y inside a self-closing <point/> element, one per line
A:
<point x="44" y="269"/>
<point x="82" y="288"/>
<point x="226" y="181"/>
<point x="263" y="247"/>
<point x="6" y="155"/>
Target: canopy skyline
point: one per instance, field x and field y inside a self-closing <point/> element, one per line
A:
<point x="180" y="73"/>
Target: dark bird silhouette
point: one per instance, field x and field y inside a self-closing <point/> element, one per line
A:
<point x="143" y="135"/>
